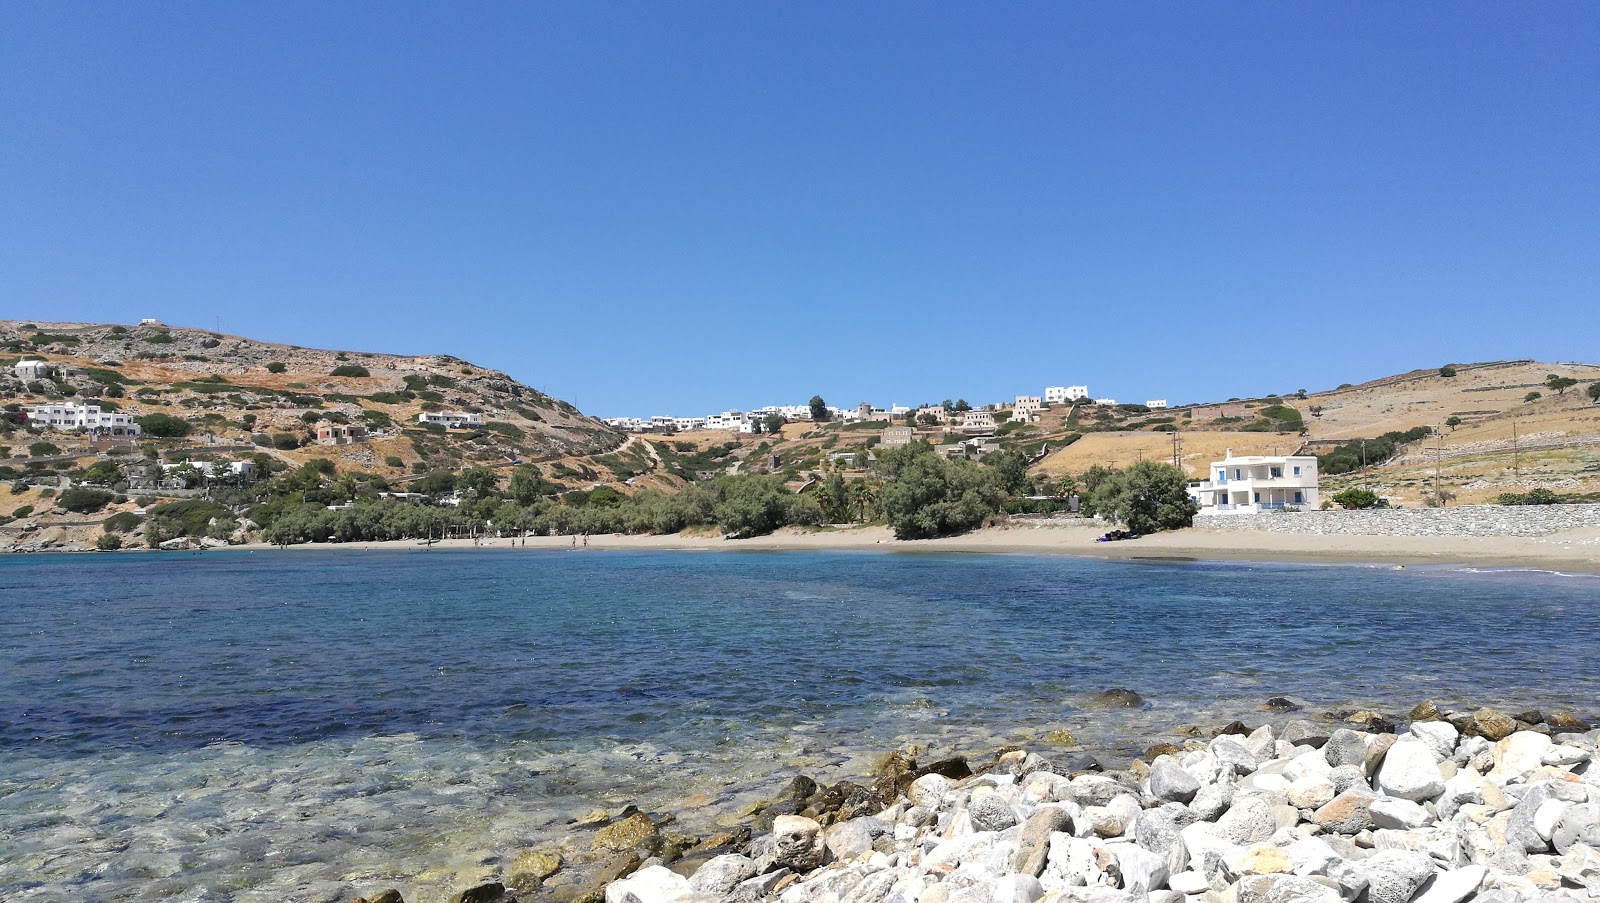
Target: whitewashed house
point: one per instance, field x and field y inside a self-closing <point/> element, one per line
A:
<point x="453" y="420"/>
<point x="31" y="370"/>
<point x="1064" y="394"/>
<point x="86" y="417"/>
<point x="1031" y="403"/>
<point x="1106" y="402"/>
<point x="973" y="422"/>
<point x="1251" y="484"/>
<point x="1156" y="404"/>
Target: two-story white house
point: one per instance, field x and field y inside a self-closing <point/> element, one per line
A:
<point x="1064" y="394"/>
<point x="973" y="422"/>
<point x="1254" y="483"/>
<point x="87" y="417"/>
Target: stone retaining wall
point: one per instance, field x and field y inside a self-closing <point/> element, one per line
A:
<point x="1467" y="520"/>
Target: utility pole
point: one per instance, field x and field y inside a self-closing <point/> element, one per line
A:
<point x="1516" y="456"/>
<point x="1177" y="450"/>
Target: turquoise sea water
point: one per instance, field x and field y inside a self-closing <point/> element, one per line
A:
<point x="265" y="726"/>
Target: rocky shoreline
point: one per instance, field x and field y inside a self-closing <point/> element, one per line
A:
<point x="1434" y="807"/>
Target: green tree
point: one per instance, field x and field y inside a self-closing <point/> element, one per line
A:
<point x="528" y="485"/>
<point x="962" y="406"/>
<point x="774" y="423"/>
<point x="819" y="409"/>
<point x="43" y="449"/>
<point x="1532" y="396"/>
<point x="1559" y="383"/>
<point x="80" y="500"/>
<point x="1447" y="371"/>
<point x="108" y="542"/>
<point x="480" y="481"/>
<point x="1594" y="392"/>
<point x="757" y="505"/>
<point x="1452" y="423"/>
<point x="1011" y="468"/>
<point x="277" y="367"/>
<point x="1148" y="497"/>
<point x="1356" y="498"/>
<point x="863" y="496"/>
<point x="927" y="495"/>
<point x="162" y="426"/>
<point x="439" y="482"/>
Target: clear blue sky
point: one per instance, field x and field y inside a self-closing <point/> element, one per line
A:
<point x="656" y="207"/>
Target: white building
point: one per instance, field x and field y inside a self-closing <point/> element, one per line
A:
<point x="31" y="370"/>
<point x="1155" y="403"/>
<point x="631" y="424"/>
<point x="87" y="417"/>
<point x="1029" y="403"/>
<point x="1063" y="394"/>
<point x="937" y="413"/>
<point x="453" y="420"/>
<point x="977" y="422"/>
<point x="1253" y="483"/>
<point x="1106" y="402"/>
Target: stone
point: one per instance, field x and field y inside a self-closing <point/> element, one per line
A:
<point x="1233" y="753"/>
<point x="489" y="892"/>
<point x="1516" y="756"/>
<point x="1441" y="737"/>
<point x="1426" y="710"/>
<point x="874" y="889"/>
<point x="1346" y="777"/>
<point x="1566" y="721"/>
<point x="1579" y="825"/>
<point x="1261" y="859"/>
<point x="1492" y="724"/>
<point x="799" y="842"/>
<point x="1248" y="820"/>
<point x="1117" y="698"/>
<point x="529" y="869"/>
<point x="1158" y="831"/>
<point x="654" y="884"/>
<point x="624" y="834"/>
<point x="1310" y="792"/>
<point x="1033" y="843"/>
<point x="1394" y="876"/>
<point x="1189" y="883"/>
<point x="849" y="839"/>
<point x="1281" y="704"/>
<point x="1345" y="747"/>
<point x="1170" y="783"/>
<point x="1212" y="801"/>
<point x="722" y="874"/>
<point x="1399" y="814"/>
<point x="1563" y="755"/>
<point x="1059" y="737"/>
<point x="1349" y="813"/>
<point x="955" y="768"/>
<point x="1284" y="889"/>
<point x="991" y="812"/>
<point x="1453" y="886"/>
<point x="1142" y="871"/>
<point x="928" y="790"/>
<point x="1409" y="771"/>
<point x="1301" y="732"/>
<point x="1012" y="889"/>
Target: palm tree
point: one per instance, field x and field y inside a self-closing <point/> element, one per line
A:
<point x="863" y="494"/>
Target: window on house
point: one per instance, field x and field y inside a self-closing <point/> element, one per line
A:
<point x="1277" y="471"/>
<point x="1297" y="471"/>
<point x="1297" y="498"/>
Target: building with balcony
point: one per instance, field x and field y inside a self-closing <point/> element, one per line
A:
<point x="81" y="417"/>
<point x="1250" y="484"/>
<point x="1063" y="394"/>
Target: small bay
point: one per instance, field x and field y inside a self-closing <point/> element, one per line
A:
<point x="266" y="725"/>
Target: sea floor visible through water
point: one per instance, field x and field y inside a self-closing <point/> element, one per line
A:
<point x="253" y="727"/>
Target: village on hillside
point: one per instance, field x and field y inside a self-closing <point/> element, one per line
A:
<point x="147" y="415"/>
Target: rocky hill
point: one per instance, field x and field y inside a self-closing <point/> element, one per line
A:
<point x="231" y="390"/>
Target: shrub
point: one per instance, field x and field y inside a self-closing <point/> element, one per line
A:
<point x="1533" y="396"/>
<point x="1447" y="371"/>
<point x="277" y="367"/>
<point x="108" y="542"/>
<point x="160" y="338"/>
<point x="22" y="511"/>
<point x="43" y="449"/>
<point x="123" y="522"/>
<point x="1148" y="497"/>
<point x="393" y="461"/>
<point x="1356" y="498"/>
<point x="928" y="496"/>
<point x="80" y="500"/>
<point x="350" y="370"/>
<point x="1539" y="496"/>
<point x="162" y="426"/>
<point x="284" y="441"/>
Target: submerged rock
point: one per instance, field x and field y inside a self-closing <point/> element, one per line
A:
<point x="1117" y="698"/>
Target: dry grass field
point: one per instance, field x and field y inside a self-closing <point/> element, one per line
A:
<point x="1199" y="449"/>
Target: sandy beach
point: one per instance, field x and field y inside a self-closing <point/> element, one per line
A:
<point x="1575" y="551"/>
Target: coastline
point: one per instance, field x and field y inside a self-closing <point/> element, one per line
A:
<point x="1573" y="551"/>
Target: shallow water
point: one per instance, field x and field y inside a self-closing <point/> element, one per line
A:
<point x="267" y="726"/>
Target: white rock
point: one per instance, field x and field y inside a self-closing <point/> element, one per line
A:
<point x="1189" y="883"/>
<point x="1141" y="869"/>
<point x="1547" y="816"/>
<point x="1453" y="886"/>
<point x="1310" y="792"/>
<point x="656" y="884"/>
<point x="1392" y="812"/>
<point x="928" y="790"/>
<point x="1517" y="755"/>
<point x="1310" y="764"/>
<point x="1564" y="755"/>
<point x="1016" y="889"/>
<point x="1409" y="771"/>
<point x="1311" y="856"/>
<point x="1440" y="736"/>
